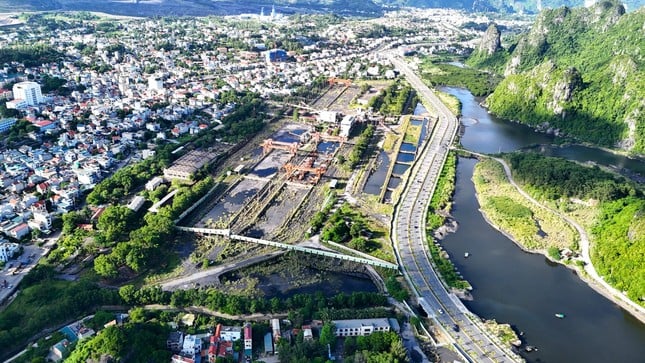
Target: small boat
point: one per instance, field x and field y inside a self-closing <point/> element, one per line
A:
<point x="530" y="348"/>
<point x="466" y="254"/>
<point x="559" y="315"/>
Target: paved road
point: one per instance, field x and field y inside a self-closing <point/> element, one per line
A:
<point x="211" y="276"/>
<point x="410" y="236"/>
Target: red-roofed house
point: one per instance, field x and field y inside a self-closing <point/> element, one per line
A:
<point x="19" y="231"/>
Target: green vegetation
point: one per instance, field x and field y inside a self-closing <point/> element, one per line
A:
<point x="581" y="71"/>
<point x="347" y="224"/>
<point x="554" y="178"/>
<point x="493" y="63"/>
<point x="36" y="352"/>
<point x="34" y="310"/>
<point x="478" y="82"/>
<point x="125" y="180"/>
<point x="440" y="204"/>
<point x="302" y="306"/>
<point x="320" y="217"/>
<point x="302" y="351"/>
<point x="412" y="132"/>
<point x="438" y="210"/>
<point x="508" y="208"/>
<point x="54" y="84"/>
<point x="452" y="102"/>
<point x="32" y="55"/>
<point x="619" y="242"/>
<point x="446" y="268"/>
<point x="393" y="100"/>
<point x="618" y="229"/>
<point x="554" y="253"/>
<point x="361" y="146"/>
<point x="136" y="341"/>
<point x="503" y="331"/>
<point x="377" y="347"/>
<point x="531" y="226"/>
<point x="396" y="289"/>
<point x="350" y="225"/>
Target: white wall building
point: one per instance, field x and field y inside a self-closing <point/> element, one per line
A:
<point x="155" y="83"/>
<point x="360" y="327"/>
<point x="29" y="92"/>
<point x="192" y="345"/>
<point x="231" y="333"/>
<point x="7" y="250"/>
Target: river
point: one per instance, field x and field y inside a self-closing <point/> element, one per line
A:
<point x="524" y="289"/>
<point x="485" y="133"/>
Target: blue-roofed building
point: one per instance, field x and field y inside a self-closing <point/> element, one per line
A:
<point x="276" y="55"/>
<point x="69" y="333"/>
<point x="60" y="350"/>
<point x="268" y="343"/>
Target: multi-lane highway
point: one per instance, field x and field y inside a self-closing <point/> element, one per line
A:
<point x="409" y="234"/>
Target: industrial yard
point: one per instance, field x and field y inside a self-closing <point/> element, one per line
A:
<point x="281" y="180"/>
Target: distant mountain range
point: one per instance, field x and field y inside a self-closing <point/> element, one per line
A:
<point x="231" y="7"/>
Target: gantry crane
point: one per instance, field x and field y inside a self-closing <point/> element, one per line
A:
<point x="270" y="144"/>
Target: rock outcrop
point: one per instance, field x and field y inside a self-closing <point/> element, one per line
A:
<point x="491" y="41"/>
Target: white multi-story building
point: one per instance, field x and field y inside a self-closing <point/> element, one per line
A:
<point x="192" y="345"/>
<point x="7" y="250"/>
<point x="231" y="333"/>
<point x="28" y="92"/>
<point x="360" y="327"/>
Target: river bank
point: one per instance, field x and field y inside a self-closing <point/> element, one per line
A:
<point x="587" y="272"/>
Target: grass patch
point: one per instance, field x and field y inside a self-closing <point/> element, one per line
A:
<point x="530" y="225"/>
<point x="389" y="141"/>
<point x="452" y="102"/>
<point x="440" y="204"/>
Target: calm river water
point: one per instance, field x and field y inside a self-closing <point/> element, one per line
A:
<point x="525" y="289"/>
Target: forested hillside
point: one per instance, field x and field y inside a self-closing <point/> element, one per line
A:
<point x="618" y="231"/>
<point x="579" y="71"/>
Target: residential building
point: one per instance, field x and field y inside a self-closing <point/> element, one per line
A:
<point x="155" y="83"/>
<point x="231" y="333"/>
<point x="248" y="340"/>
<point x="60" y="350"/>
<point x="19" y="231"/>
<point x="8" y="250"/>
<point x="175" y="341"/>
<point x="276" y="55"/>
<point x="192" y="345"/>
<point x="6" y="123"/>
<point x="360" y="327"/>
<point x="28" y="92"/>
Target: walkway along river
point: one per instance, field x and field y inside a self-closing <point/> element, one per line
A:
<point x="523" y="289"/>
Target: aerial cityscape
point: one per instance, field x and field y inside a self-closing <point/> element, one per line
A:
<point x="322" y="181"/>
